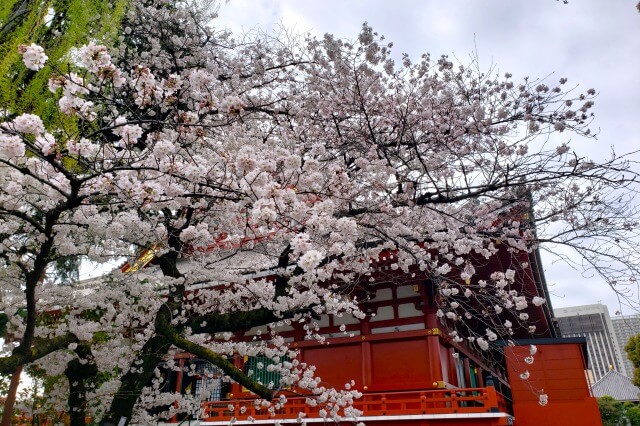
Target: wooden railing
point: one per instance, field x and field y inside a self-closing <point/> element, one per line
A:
<point x="433" y="401"/>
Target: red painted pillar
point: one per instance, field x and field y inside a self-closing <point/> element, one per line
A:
<point x="365" y="348"/>
<point x="178" y="387"/>
<point x="367" y="378"/>
<point x="180" y="373"/>
<point x="433" y="347"/>
<point x="236" y="389"/>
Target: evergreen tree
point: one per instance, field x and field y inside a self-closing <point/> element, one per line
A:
<point x="58" y="26"/>
<point x="633" y="353"/>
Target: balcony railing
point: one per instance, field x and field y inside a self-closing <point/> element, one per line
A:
<point x="435" y="401"/>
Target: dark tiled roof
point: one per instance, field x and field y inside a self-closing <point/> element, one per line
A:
<point x="617" y="386"/>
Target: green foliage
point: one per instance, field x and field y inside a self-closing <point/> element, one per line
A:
<point x="100" y="337"/>
<point x="5" y="7"/>
<point x="632" y="412"/>
<point x="611" y="411"/>
<point x="92" y="314"/>
<point x="58" y="26"/>
<point x="633" y="353"/>
<point x="67" y="269"/>
<point x="616" y="413"/>
<point x="32" y="400"/>
<point x="4" y="383"/>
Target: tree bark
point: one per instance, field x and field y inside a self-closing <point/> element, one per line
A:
<point x="11" y="397"/>
<point x="132" y="383"/>
<point x="78" y="371"/>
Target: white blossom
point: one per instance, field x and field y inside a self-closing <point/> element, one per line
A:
<point x="482" y="344"/>
<point x="33" y="56"/>
<point x="28" y="123"/>
<point x="11" y="146"/>
<point x="249" y="176"/>
<point x="538" y="301"/>
<point x="543" y="399"/>
<point x="310" y="260"/>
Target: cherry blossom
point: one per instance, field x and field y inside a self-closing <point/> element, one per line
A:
<point x="254" y="184"/>
<point x="11" y="146"/>
<point x="28" y="123"/>
<point x="33" y="56"/>
<point x="543" y="399"/>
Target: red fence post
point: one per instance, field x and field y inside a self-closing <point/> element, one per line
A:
<point x="491" y="403"/>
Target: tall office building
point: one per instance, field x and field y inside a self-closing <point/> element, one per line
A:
<point x="624" y="328"/>
<point x="594" y="323"/>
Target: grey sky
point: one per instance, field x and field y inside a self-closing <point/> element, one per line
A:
<point x="594" y="43"/>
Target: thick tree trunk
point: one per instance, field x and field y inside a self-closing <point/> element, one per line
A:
<point x="125" y="399"/>
<point x="11" y="397"/>
<point x="78" y="371"/>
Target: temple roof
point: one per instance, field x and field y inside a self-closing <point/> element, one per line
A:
<point x="616" y="385"/>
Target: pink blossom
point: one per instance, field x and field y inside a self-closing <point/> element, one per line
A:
<point x="310" y="260"/>
<point x="33" y="56"/>
<point x="538" y="301"/>
<point x="28" y="123"/>
<point x="11" y="146"/>
<point x="94" y="57"/>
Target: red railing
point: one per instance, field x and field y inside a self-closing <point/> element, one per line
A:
<point x="433" y="401"/>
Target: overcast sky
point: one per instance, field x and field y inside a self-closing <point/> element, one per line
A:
<point x="594" y="43"/>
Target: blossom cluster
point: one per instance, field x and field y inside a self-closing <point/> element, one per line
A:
<point x="262" y="186"/>
<point x="33" y="56"/>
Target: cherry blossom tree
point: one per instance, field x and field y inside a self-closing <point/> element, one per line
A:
<point x="267" y="177"/>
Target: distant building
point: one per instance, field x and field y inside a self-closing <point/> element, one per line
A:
<point x="624" y="328"/>
<point x="594" y="323"/>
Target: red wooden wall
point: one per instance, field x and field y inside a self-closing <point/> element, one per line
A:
<point x="558" y="370"/>
<point x="380" y="362"/>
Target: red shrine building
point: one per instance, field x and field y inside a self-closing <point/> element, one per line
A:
<point x="409" y="369"/>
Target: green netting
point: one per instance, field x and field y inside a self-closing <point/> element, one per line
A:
<point x="258" y="369"/>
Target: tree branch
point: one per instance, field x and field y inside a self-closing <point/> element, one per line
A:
<point x="163" y="325"/>
<point x="40" y="348"/>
